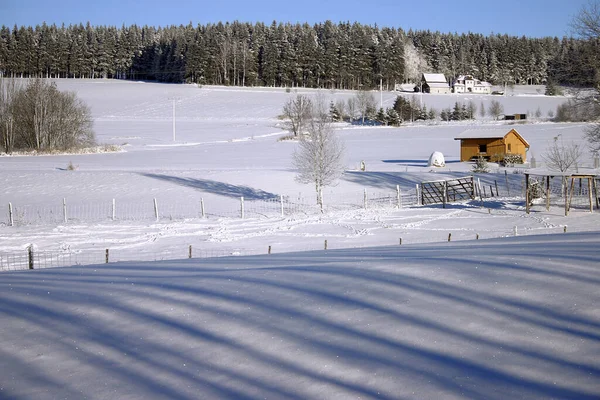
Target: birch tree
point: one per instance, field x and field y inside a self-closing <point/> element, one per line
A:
<point x="8" y="91"/>
<point x="319" y="156"/>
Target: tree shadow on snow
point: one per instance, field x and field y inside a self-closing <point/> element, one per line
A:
<point x="391" y="179"/>
<point x="243" y="328"/>
<point x="219" y="188"/>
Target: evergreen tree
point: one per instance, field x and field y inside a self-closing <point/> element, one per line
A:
<point x="392" y="117"/>
<point x="381" y="117"/>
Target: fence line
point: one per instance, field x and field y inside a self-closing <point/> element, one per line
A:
<point x="23" y="260"/>
<point x="155" y="209"/>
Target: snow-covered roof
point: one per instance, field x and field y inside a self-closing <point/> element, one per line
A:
<point x="406" y="87"/>
<point x="489" y="134"/>
<point x="438" y="85"/>
<point x="482" y="134"/>
<point x="430" y="78"/>
<point x="460" y="81"/>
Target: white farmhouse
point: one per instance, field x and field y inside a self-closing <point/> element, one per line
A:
<point x="435" y="84"/>
<point x="468" y="84"/>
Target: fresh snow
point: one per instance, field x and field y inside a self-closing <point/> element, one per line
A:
<point x="501" y="317"/>
<point x="511" y="318"/>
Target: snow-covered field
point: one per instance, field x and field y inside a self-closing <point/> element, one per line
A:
<point x="225" y="148"/>
<point x="501" y="317"/>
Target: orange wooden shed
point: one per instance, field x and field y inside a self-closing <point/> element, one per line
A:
<point x="493" y="144"/>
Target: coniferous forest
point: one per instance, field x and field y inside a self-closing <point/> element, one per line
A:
<point x="324" y="55"/>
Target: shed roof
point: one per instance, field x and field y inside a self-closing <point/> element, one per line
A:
<point x="438" y="78"/>
<point x="438" y="85"/>
<point x="489" y="134"/>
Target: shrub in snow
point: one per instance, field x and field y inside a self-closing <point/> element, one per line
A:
<point x="481" y="165"/>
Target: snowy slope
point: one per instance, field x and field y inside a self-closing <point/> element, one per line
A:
<point x="512" y="318"/>
<point x="226" y="147"/>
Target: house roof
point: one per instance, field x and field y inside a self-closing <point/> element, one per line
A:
<point x="478" y="84"/>
<point x="438" y="85"/>
<point x="462" y="78"/>
<point x="437" y="78"/>
<point x="489" y="134"/>
<point x="407" y="87"/>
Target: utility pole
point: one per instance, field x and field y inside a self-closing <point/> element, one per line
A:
<point x="173" y="119"/>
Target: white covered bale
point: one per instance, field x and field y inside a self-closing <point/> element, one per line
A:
<point x="436" y="159"/>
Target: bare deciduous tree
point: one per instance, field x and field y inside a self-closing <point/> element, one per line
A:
<point x="414" y="63"/>
<point x="298" y="112"/>
<point x="365" y="103"/>
<point x="587" y="25"/>
<point x="319" y="156"/>
<point x="561" y="157"/>
<point x="43" y="118"/>
<point x="495" y="109"/>
<point x="587" y="22"/>
<point x="351" y="108"/>
<point x="8" y="91"/>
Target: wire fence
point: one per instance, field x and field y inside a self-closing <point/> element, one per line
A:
<point x="34" y="259"/>
<point x="486" y="188"/>
<point x="179" y="209"/>
<point x="556" y="191"/>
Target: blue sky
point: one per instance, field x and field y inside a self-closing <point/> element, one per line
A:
<point x="534" y="18"/>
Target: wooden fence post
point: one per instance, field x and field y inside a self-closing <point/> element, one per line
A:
<point x="419" y="202"/>
<point x="400" y="242"/>
<point x="156" y="209"/>
<point x="30" y="256"/>
<point x="496" y="183"/>
<point x="507" y="185"/>
<point x="202" y="207"/>
<point x="65" y="209"/>
<point x="548" y="193"/>
<point x="445" y="194"/>
<point x="269" y="249"/>
<point x="190" y="251"/>
<point x="325" y="244"/>
<point x="365" y="199"/>
<point x="590" y="194"/>
<point x="477" y="236"/>
<point x="480" y="191"/>
<point x="515" y="231"/>
<point x="398" y="197"/>
<point x="11" y="222"/>
<point x="106" y="256"/>
<point x="449" y="237"/>
<point x="242" y="207"/>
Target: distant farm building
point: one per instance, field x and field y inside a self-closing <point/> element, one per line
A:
<point x="405" y="87"/>
<point x="435" y="84"/>
<point x="493" y="144"/>
<point x="515" y="117"/>
<point x="468" y="84"/>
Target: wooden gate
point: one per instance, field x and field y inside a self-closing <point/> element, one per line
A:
<point x="452" y="190"/>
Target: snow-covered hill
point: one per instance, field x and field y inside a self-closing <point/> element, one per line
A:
<point x="512" y="318"/>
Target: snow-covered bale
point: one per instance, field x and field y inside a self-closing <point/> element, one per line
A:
<point x="436" y="159"/>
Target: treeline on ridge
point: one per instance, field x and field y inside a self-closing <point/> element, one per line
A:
<point x="323" y="55"/>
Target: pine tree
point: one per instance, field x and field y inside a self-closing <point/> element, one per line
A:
<point x="392" y="117"/>
<point x="381" y="117"/>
